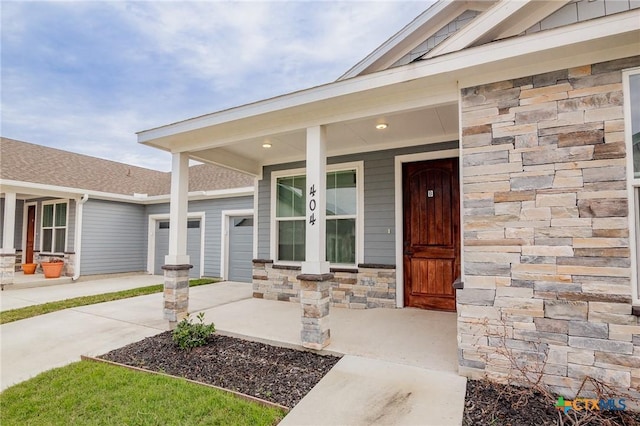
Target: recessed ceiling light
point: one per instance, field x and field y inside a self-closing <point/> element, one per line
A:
<point x="266" y="145"/>
<point x="382" y="126"/>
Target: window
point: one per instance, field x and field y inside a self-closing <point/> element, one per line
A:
<point x="631" y="80"/>
<point x="54" y="227"/>
<point x="342" y="199"/>
<point x="190" y="224"/>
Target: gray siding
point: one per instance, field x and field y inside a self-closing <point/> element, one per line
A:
<point x="379" y="200"/>
<point x="114" y="238"/>
<point x="213" y="213"/>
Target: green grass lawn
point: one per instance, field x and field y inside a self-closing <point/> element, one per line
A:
<point x="92" y="393"/>
<point x="45" y="308"/>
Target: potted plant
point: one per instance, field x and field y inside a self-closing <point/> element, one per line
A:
<point x="52" y="268"/>
<point x="28" y="268"/>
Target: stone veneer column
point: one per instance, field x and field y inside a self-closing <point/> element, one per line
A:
<point x="7" y="269"/>
<point x="176" y="293"/>
<point x="315" y="298"/>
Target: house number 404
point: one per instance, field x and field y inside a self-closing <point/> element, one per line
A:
<point x="312" y="205"/>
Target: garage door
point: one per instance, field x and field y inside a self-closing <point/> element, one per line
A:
<point x="193" y="246"/>
<point x="241" y="248"/>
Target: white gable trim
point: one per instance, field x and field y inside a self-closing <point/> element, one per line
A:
<point x="502" y="19"/>
<point x="439" y="15"/>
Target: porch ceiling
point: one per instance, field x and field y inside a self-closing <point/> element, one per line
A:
<point x="419" y="126"/>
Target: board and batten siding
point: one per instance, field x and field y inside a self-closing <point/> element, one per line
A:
<point x="379" y="200"/>
<point x="114" y="238"/>
<point x="213" y="214"/>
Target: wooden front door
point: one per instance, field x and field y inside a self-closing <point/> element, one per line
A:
<point x="431" y="198"/>
<point x="31" y="231"/>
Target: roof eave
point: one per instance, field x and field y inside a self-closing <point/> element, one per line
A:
<point x="452" y="66"/>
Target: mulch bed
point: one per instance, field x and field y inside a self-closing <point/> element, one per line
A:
<point x="280" y="375"/>
<point x="494" y="404"/>
<point x="284" y="376"/>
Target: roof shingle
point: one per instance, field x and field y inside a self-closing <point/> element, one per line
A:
<point x="27" y="162"/>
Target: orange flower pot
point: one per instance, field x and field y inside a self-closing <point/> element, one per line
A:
<point x="52" y="269"/>
<point x="29" y="268"/>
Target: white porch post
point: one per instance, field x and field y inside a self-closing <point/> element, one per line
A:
<point x="9" y="223"/>
<point x="315" y="251"/>
<point x="315" y="279"/>
<point x="8" y="252"/>
<point x="176" y="268"/>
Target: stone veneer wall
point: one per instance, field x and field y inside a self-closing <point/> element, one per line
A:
<point x="368" y="286"/>
<point x="546" y="238"/>
<point x="69" y="261"/>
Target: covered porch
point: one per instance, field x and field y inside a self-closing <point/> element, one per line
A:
<point x="360" y="123"/>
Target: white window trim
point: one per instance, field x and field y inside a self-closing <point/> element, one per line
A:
<point x="151" y="239"/>
<point x="398" y="162"/>
<point x="226" y="215"/>
<point x="358" y="166"/>
<point x="53" y="237"/>
<point x="633" y="186"/>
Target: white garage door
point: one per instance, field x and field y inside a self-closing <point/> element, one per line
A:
<point x="241" y="248"/>
<point x="193" y="246"/>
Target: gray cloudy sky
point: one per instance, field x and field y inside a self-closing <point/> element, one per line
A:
<point x="84" y="76"/>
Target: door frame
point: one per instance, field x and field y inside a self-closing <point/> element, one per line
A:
<point x="225" y="217"/>
<point x="399" y="160"/>
<point x="151" y="238"/>
<point x="25" y="219"/>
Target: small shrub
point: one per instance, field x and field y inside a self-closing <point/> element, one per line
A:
<point x="189" y="335"/>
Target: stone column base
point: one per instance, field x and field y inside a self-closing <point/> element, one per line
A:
<point x="7" y="269"/>
<point x="315" y="298"/>
<point x="176" y="293"/>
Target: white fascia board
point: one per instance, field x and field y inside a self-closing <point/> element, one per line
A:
<point x="494" y="19"/>
<point x="394" y="41"/>
<point x="449" y="64"/>
<point x="45" y="190"/>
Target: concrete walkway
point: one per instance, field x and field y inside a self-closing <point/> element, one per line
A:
<point x="399" y="368"/>
<point x="34" y="289"/>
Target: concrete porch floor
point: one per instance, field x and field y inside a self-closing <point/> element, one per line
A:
<point x="425" y="339"/>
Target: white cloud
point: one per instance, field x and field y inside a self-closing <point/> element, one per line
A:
<point x="85" y="76"/>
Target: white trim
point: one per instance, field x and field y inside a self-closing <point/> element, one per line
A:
<point x="633" y="185"/>
<point x="63" y="191"/>
<point x="66" y="201"/>
<point x="77" y="245"/>
<point x="225" y="217"/>
<point x="398" y="42"/>
<point x="256" y="192"/>
<point x="151" y="238"/>
<point x="496" y="20"/>
<point x="399" y="160"/>
<point x="358" y="166"/>
<point x="25" y="218"/>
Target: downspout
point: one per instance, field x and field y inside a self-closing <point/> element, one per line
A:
<point x="78" y="239"/>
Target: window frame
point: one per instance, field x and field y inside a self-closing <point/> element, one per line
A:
<point x="358" y="167"/>
<point x="633" y="188"/>
<point x="54" y="227"/>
